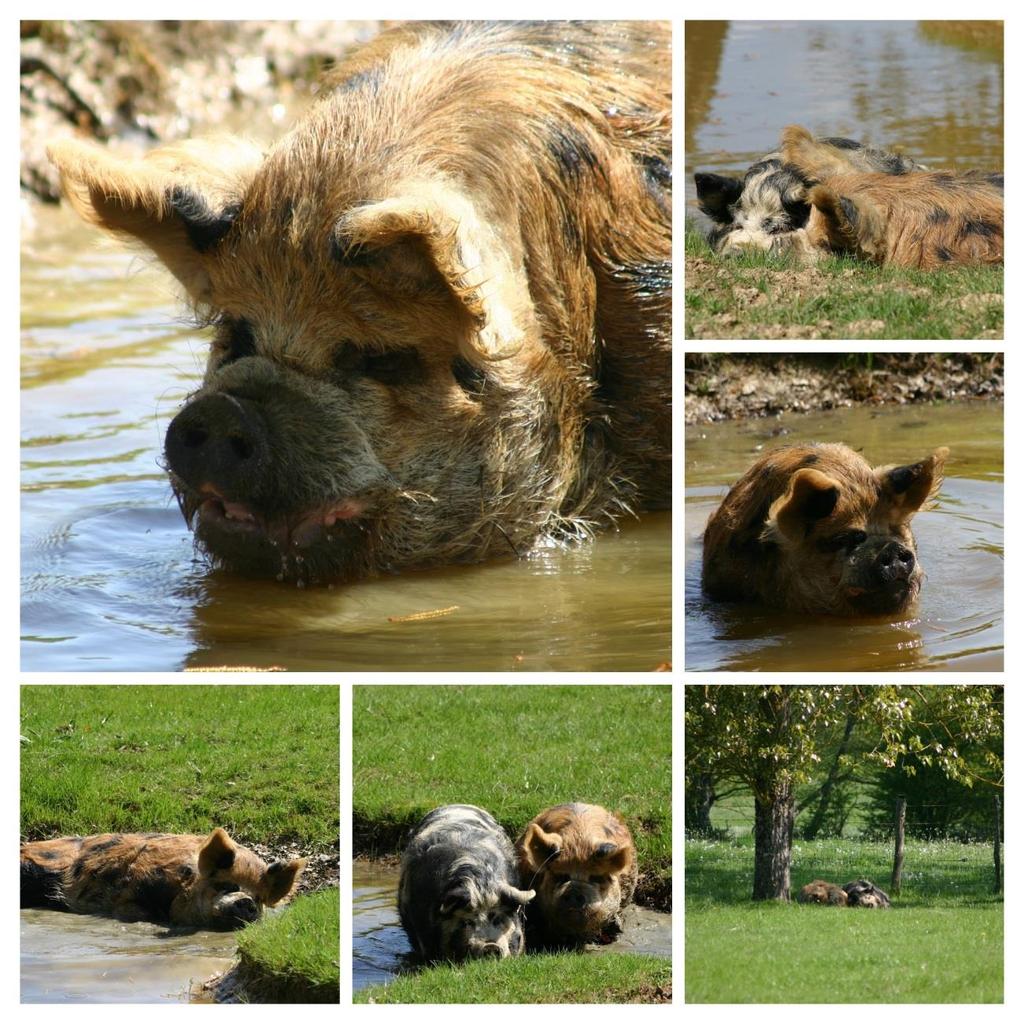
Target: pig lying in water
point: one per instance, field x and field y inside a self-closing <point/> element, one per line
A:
<point x="814" y="528"/>
<point x="457" y="895"/>
<point x="202" y="881"/>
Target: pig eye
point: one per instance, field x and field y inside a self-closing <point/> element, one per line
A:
<point x="596" y="879"/>
<point x="395" y="367"/>
<point x="559" y="879"/>
<point x="469" y="377"/>
<point x="847" y="540"/>
<point x="237" y="338"/>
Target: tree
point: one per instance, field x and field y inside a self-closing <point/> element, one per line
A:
<point x="771" y="738"/>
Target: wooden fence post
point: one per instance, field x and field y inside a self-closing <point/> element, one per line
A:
<point x="897" y="860"/>
<point x="995" y="852"/>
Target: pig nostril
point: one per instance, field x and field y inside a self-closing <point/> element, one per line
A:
<point x="194" y="437"/>
<point x="241" y="446"/>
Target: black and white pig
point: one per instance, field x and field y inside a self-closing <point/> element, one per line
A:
<point x="457" y="895"/>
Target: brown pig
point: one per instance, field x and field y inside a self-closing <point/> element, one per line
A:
<point x="440" y="305"/>
<point x="581" y="861"/>
<point x="201" y="881"/>
<point x="822" y="892"/>
<point x="814" y="528"/>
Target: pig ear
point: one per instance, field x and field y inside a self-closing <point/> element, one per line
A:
<point x="179" y="200"/>
<point x="455" y="899"/>
<point x="850" y="224"/>
<point x="907" y="488"/>
<point x="218" y="853"/>
<point x="280" y="879"/>
<point x="540" y="846"/>
<point x="811" y="496"/>
<point x="428" y="236"/>
<point x="611" y="858"/>
<point x="715" y="193"/>
<point x="812" y="159"/>
<point x="514" y="897"/>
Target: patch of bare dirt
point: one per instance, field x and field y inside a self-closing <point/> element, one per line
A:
<point x="733" y="387"/>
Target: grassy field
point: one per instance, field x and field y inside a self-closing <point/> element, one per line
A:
<point x="941" y="943"/>
<point x="513" y="750"/>
<point x="760" y="296"/>
<point x="293" y="956"/>
<point x="260" y="761"/>
<point x="549" y="978"/>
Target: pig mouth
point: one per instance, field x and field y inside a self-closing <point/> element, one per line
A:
<point x="886" y="600"/>
<point x="213" y="511"/>
<point x="314" y="542"/>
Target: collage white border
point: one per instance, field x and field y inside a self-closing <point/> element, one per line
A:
<point x="402" y="9"/>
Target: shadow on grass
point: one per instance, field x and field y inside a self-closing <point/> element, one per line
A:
<point x="935" y="873"/>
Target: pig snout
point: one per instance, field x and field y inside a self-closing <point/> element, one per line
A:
<point x="893" y="563"/>
<point x="219" y="442"/>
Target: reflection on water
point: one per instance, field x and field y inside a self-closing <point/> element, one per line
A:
<point x="958" y="624"/>
<point x="380" y="949"/>
<point x="110" y="578"/>
<point x="71" y="958"/>
<point x="933" y="89"/>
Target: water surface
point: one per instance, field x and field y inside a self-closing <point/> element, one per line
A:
<point x="111" y="581"/>
<point x="958" y="622"/>
<point x="73" y="958"/>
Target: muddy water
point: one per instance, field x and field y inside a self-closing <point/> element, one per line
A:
<point x="70" y="959"/>
<point x="380" y="949"/>
<point x="110" y="578"/>
<point x="935" y="90"/>
<point x="958" y="623"/>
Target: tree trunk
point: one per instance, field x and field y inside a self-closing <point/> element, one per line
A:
<point x="700" y="796"/>
<point x="773" y="841"/>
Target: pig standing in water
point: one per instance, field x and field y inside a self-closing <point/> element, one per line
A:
<point x="583" y="862"/>
<point x="457" y="895"/>
<point x="814" y="528"/>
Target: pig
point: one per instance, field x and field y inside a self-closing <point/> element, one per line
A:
<point x="822" y="892"/>
<point x="863" y="893"/>
<point x="920" y="220"/>
<point x="582" y="861"/>
<point x="440" y="305"/>
<point x="813" y="528"/>
<point x="457" y="894"/>
<point x="206" y="882"/>
<point x="764" y="209"/>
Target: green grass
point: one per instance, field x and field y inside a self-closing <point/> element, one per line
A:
<point x="555" y="978"/>
<point x="513" y="750"/>
<point x="293" y="956"/>
<point x="942" y="941"/>
<point x="260" y="761"/>
<point x="761" y="296"/>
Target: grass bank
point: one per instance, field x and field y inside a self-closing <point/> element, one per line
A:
<point x="292" y="957"/>
<point x="761" y="296"/>
<point x="548" y="978"/>
<point x="515" y="750"/>
<point x="260" y="761"/>
<point x="941" y="943"/>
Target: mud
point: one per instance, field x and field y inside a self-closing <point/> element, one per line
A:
<point x="380" y="949"/>
<point x="752" y="386"/>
